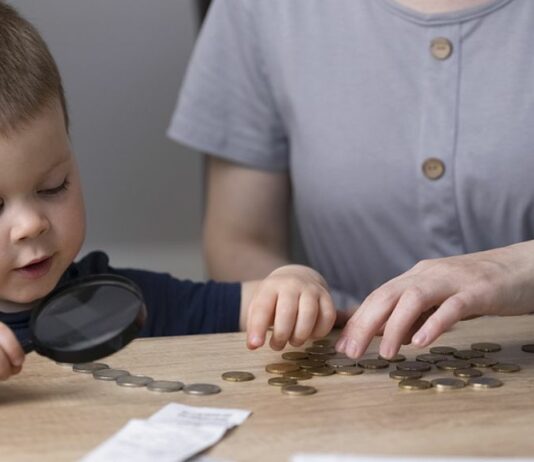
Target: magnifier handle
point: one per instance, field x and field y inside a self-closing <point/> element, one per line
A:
<point x="27" y="345"/>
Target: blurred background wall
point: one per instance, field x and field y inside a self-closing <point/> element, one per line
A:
<point x="122" y="63"/>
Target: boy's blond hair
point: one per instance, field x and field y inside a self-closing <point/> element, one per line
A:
<point x="29" y="77"/>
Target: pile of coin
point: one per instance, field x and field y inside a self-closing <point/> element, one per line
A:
<point x="123" y="378"/>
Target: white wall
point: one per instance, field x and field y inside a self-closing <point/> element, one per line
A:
<point x="122" y="62"/>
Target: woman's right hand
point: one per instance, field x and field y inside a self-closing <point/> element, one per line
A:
<point x="11" y="353"/>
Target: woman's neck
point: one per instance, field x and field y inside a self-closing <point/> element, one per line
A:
<point x="440" y="6"/>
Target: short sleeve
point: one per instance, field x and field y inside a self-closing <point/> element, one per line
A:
<point x="225" y="107"/>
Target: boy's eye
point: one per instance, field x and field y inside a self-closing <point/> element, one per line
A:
<point x="52" y="191"/>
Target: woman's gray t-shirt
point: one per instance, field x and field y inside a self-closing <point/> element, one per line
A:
<point x="399" y="147"/>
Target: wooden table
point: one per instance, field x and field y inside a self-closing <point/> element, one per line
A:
<point x="49" y="412"/>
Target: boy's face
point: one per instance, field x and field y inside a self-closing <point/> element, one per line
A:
<point x="42" y="217"/>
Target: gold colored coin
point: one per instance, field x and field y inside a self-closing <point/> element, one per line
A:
<point x="486" y="347"/>
<point x="322" y="342"/>
<point x="414" y="384"/>
<point x="281" y="381"/>
<point x="238" y="376"/>
<point x="529" y="348"/>
<point x="414" y="366"/>
<point x="396" y="359"/>
<point x="482" y="383"/>
<point x="319" y="350"/>
<point x="298" y="375"/>
<point x="506" y="367"/>
<point x="405" y="375"/>
<point x="452" y="364"/>
<point x="294" y="355"/>
<point x="322" y="371"/>
<point x="447" y="383"/>
<point x="431" y="358"/>
<point x="298" y="390"/>
<point x="483" y="362"/>
<point x="340" y="362"/>
<point x="281" y="368"/>
<point x="373" y="363"/>
<point x="468" y="354"/>
<point x="349" y="370"/>
<point x="467" y="373"/>
<point x="310" y="363"/>
<point x="442" y="350"/>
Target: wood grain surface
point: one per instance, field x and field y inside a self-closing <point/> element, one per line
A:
<point x="50" y="413"/>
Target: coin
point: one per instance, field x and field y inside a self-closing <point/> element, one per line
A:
<point x="414" y="366"/>
<point x="442" y="350"/>
<point x="321" y="350"/>
<point x="109" y="374"/>
<point x="133" y="381"/>
<point x="373" y="363"/>
<point x="281" y="381"/>
<point x="165" y="386"/>
<point x="447" y="383"/>
<point x="237" y="376"/>
<point x="506" y="367"/>
<point x="468" y="354"/>
<point x="349" y="370"/>
<point x="281" y="368"/>
<point x="298" y="390"/>
<point x="467" y="373"/>
<point x="294" y="355"/>
<point x="309" y="363"/>
<point x="414" y="384"/>
<point x="431" y="358"/>
<point x="202" y="389"/>
<point x="322" y="371"/>
<point x="528" y="348"/>
<point x="322" y="342"/>
<point x="88" y="368"/>
<point x="404" y="375"/>
<point x="396" y="359"/>
<point x="486" y="347"/>
<point x="299" y="375"/>
<point x="480" y="383"/>
<point x="63" y="364"/>
<point x="340" y="362"/>
<point x="452" y="364"/>
<point x="483" y="362"/>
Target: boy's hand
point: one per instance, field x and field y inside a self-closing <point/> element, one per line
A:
<point x="11" y="354"/>
<point x="294" y="299"/>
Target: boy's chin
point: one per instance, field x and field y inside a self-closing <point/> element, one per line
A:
<point x="30" y="295"/>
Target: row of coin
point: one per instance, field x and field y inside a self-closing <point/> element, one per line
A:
<point x="123" y="378"/>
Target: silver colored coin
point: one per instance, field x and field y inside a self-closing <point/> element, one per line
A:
<point x="88" y="368"/>
<point x="482" y="383"/>
<point x="165" y="386"/>
<point x="447" y="383"/>
<point x="414" y="366"/>
<point x="469" y="373"/>
<point x="202" y="389"/>
<point x="281" y="381"/>
<point x="298" y="390"/>
<point x="452" y="364"/>
<point x="109" y="374"/>
<point x="134" y="381"/>
<point x="486" y="347"/>
<point x="340" y="362"/>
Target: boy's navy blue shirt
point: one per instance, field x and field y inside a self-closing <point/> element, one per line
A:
<point x="174" y="307"/>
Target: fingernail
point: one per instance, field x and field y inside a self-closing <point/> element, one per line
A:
<point x="255" y="340"/>
<point x="386" y="352"/>
<point x="419" y="339"/>
<point x="352" y="348"/>
<point x="340" y="344"/>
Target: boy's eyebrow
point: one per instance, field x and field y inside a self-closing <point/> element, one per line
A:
<point x="64" y="160"/>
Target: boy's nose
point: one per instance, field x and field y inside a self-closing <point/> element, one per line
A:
<point x="29" y="224"/>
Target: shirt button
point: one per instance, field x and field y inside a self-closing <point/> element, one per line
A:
<point x="433" y="168"/>
<point x="441" y="48"/>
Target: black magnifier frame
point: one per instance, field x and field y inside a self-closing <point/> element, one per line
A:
<point x="115" y="337"/>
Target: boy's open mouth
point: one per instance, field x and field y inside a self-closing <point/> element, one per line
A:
<point x="36" y="268"/>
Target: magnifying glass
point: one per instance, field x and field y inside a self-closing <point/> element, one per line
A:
<point x="87" y="319"/>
